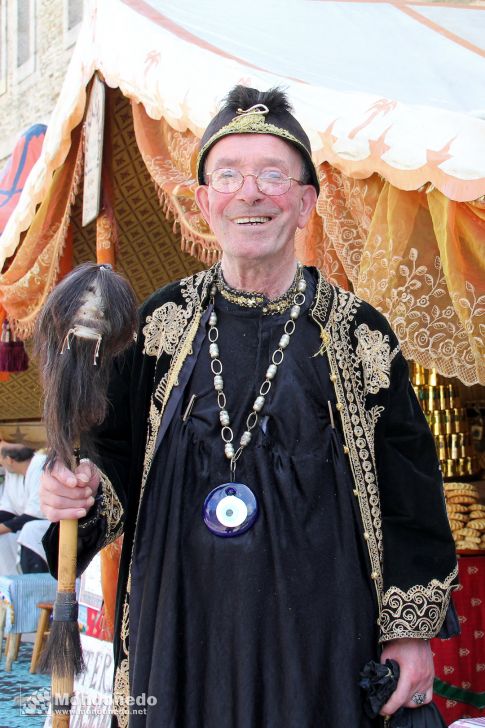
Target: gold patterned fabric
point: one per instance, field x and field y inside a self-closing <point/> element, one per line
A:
<point x="418" y="612"/>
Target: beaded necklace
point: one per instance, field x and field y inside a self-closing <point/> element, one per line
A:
<point x="231" y="508"/>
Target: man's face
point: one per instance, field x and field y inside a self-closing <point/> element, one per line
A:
<point x="235" y="218"/>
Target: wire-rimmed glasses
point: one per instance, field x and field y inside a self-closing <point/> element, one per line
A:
<point x="271" y="182"/>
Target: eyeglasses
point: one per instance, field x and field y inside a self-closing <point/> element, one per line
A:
<point x="273" y="182"/>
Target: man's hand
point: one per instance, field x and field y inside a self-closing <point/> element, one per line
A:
<point x="64" y="494"/>
<point x="415" y="661"/>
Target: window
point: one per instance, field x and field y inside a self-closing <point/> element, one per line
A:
<point x="73" y="14"/>
<point x="25" y="38"/>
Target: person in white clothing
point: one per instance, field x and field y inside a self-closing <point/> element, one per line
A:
<point x="18" y="506"/>
<point x="32" y="553"/>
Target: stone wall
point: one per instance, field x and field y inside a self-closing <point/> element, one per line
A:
<point x="28" y="94"/>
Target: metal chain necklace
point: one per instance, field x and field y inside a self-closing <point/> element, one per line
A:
<point x="231" y="508"/>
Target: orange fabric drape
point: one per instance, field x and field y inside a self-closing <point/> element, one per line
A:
<point x="33" y="272"/>
<point x="110" y="562"/>
<point x="105" y="248"/>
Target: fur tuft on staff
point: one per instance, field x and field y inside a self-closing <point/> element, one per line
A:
<point x="88" y="319"/>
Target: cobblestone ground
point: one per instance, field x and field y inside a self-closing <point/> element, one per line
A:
<point x="23" y="697"/>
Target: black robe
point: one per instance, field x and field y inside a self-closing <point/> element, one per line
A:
<point x="272" y="627"/>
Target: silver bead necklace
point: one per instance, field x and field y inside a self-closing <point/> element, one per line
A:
<point x="252" y="419"/>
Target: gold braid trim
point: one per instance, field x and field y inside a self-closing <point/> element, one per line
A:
<point x="121" y="694"/>
<point x="319" y="312"/>
<point x="254" y="299"/>
<point x="358" y="431"/>
<point x="107" y="506"/>
<point x="418" y="612"/>
<point x="111" y="509"/>
<point x="186" y="331"/>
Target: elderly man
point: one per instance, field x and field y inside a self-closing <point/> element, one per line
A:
<point x="283" y="513"/>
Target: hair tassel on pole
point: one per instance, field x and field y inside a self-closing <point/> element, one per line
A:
<point x="88" y="319"/>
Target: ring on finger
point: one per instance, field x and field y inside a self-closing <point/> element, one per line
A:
<point x="418" y="698"/>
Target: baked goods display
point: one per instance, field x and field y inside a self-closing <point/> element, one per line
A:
<point x="447" y="418"/>
<point x="466" y="515"/>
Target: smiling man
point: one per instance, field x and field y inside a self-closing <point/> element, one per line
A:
<point x="283" y="514"/>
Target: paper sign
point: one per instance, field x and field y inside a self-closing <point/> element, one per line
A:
<point x="93" y="151"/>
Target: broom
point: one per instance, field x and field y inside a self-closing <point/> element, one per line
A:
<point x="88" y="319"/>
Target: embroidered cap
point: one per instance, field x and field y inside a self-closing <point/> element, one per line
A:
<point x="249" y="111"/>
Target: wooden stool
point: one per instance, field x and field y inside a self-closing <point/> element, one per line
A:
<point x="19" y="595"/>
<point x="42" y="632"/>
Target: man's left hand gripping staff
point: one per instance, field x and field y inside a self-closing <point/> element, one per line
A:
<point x="64" y="494"/>
<point x="415" y="661"/>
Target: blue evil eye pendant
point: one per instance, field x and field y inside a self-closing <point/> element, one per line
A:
<point x="230" y="510"/>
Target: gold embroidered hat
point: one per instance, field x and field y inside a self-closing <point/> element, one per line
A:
<point x="249" y="111"/>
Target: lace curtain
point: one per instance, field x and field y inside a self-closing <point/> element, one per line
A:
<point x="419" y="258"/>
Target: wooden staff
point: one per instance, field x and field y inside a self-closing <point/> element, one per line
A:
<point x="88" y="319"/>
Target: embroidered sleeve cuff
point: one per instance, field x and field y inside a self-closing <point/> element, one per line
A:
<point x="107" y="507"/>
<point x="417" y="613"/>
<point x="111" y="510"/>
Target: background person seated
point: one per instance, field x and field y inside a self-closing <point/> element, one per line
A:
<point x="19" y="504"/>
<point x="32" y="554"/>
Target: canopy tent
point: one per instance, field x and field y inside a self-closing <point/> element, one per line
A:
<point x="390" y="94"/>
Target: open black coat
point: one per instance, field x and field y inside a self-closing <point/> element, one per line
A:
<point x="391" y="453"/>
